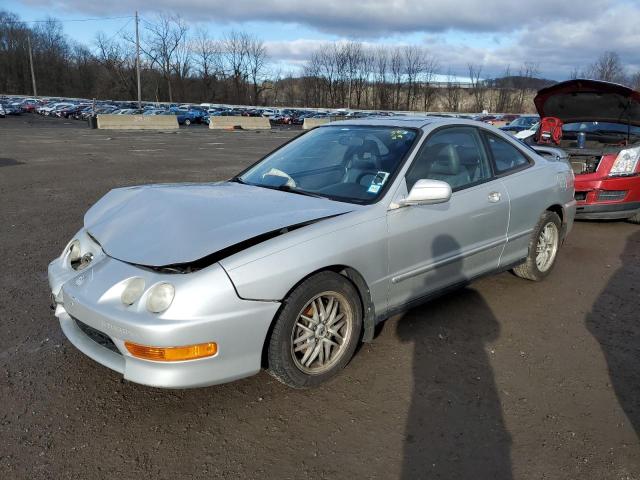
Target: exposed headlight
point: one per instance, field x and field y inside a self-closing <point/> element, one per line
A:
<point x="77" y="260"/>
<point x="626" y="162"/>
<point x="160" y="297"/>
<point x="133" y="291"/>
<point x="74" y="251"/>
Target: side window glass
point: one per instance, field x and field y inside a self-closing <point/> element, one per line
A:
<point x="506" y="156"/>
<point x="454" y="155"/>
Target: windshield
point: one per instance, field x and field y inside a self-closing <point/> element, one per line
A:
<point x="601" y="127"/>
<point x="347" y="163"/>
<point x="524" y="122"/>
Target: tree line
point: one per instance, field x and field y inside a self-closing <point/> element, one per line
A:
<point x="182" y="64"/>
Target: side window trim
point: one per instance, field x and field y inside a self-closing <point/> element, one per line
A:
<point x="479" y="133"/>
<point x="530" y="162"/>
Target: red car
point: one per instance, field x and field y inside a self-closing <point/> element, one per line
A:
<point x="601" y="135"/>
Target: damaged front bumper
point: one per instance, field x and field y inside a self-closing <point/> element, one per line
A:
<point x="205" y="308"/>
<point x="607" y="198"/>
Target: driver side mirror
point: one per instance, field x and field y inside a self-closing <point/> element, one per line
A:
<point x="427" y="192"/>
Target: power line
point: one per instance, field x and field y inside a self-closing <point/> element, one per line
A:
<point x="65" y="21"/>
<point x="121" y="29"/>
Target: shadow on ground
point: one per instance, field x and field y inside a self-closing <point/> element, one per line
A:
<point x="455" y="427"/>
<point x="614" y="321"/>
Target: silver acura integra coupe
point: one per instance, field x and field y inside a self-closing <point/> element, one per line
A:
<point x="290" y="264"/>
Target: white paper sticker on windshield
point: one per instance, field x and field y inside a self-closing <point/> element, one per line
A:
<point x="378" y="181"/>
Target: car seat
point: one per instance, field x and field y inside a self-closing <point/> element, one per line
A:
<point x="446" y="167"/>
<point x="363" y="163"/>
<point x="550" y="131"/>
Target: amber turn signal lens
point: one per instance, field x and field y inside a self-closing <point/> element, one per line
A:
<point x="172" y="354"/>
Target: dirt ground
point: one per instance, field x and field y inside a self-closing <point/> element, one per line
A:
<point x="504" y="379"/>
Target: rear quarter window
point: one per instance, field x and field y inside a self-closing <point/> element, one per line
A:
<point x="506" y="157"/>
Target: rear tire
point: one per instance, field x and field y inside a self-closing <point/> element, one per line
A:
<point x="635" y="219"/>
<point x="316" y="332"/>
<point x="187" y="122"/>
<point x="543" y="249"/>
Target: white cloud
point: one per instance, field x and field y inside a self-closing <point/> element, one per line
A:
<point x="558" y="36"/>
<point x="361" y="18"/>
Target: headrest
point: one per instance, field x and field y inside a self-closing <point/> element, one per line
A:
<point x="445" y="160"/>
<point x="366" y="155"/>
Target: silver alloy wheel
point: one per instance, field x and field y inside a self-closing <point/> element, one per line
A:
<point x="322" y="333"/>
<point x="547" y="246"/>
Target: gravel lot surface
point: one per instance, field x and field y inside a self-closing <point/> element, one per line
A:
<point x="503" y="379"/>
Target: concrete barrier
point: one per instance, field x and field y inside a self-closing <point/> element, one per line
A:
<point x="245" y="123"/>
<point x="137" y="122"/>
<point x="310" y="123"/>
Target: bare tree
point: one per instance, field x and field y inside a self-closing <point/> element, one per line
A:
<point x="505" y="90"/>
<point x="574" y="74"/>
<point x="207" y="57"/>
<point x="236" y="52"/>
<point x="528" y="71"/>
<point x="608" y="67"/>
<point x="413" y="64"/>
<point x="478" y="88"/>
<point x="256" y="64"/>
<point x="163" y="43"/>
<point x="452" y="93"/>
<point x="430" y="66"/>
<point x="397" y="68"/>
<point x="381" y="58"/>
<point x="635" y="81"/>
<point x="118" y="60"/>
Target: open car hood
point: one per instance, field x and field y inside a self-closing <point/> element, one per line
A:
<point x="589" y="101"/>
<point x="160" y="225"/>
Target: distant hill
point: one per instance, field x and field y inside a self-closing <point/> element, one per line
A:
<point x="517" y="81"/>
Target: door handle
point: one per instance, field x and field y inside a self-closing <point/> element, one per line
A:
<point x="494" y="197"/>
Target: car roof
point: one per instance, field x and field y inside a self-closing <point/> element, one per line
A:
<point x="407" y="121"/>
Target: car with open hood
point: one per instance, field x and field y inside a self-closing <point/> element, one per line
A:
<point x="292" y="262"/>
<point x="601" y="136"/>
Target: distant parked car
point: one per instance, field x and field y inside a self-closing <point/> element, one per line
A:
<point x="10" y="109"/>
<point x="180" y="116"/>
<point x="521" y="123"/>
<point x="529" y="132"/>
<point x="2" y="112"/>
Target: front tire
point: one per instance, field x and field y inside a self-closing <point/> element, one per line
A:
<point x="187" y="122"/>
<point x="543" y="248"/>
<point x="316" y="332"/>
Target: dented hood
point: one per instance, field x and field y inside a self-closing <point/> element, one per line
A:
<point x="159" y="225"/>
<point x="589" y="101"/>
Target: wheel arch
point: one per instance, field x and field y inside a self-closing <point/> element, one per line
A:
<point x="358" y="281"/>
<point x="557" y="209"/>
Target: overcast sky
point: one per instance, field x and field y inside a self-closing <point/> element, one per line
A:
<point x="557" y="35"/>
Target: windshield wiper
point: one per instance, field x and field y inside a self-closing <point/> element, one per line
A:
<point x="287" y="188"/>
<point x="282" y="188"/>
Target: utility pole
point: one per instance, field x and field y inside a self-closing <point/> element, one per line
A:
<point x="137" y="61"/>
<point x="33" y="75"/>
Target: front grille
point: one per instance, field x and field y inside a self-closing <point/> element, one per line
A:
<point x="611" y="195"/>
<point x="97" y="336"/>
<point x="581" y="196"/>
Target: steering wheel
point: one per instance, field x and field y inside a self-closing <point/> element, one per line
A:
<point x="364" y="173"/>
